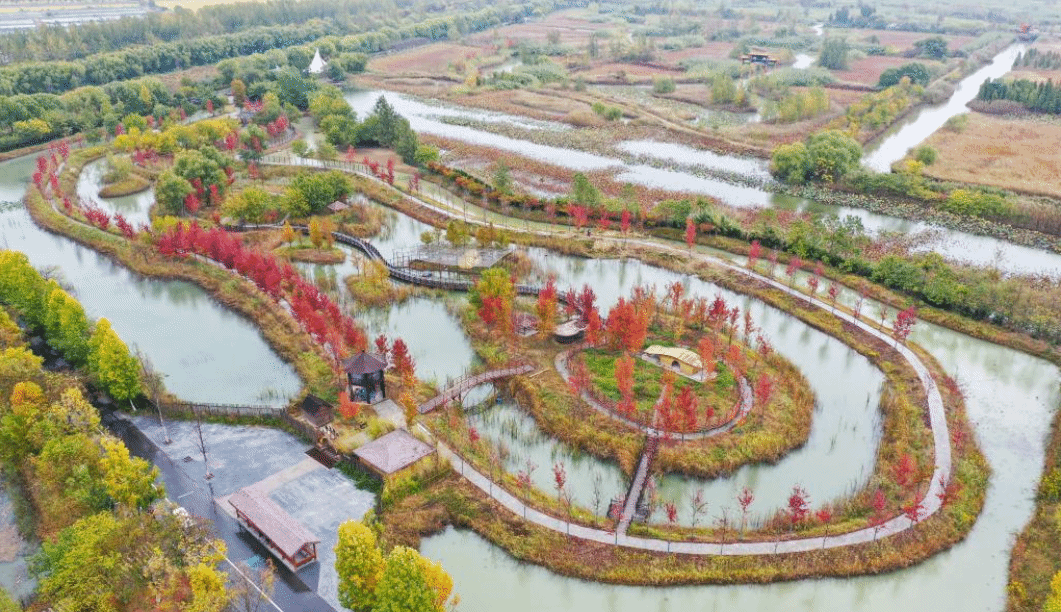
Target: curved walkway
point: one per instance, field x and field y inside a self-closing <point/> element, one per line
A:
<point x="931" y="502"/>
<point x="747" y="402"/>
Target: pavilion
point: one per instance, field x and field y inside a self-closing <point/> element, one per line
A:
<point x="390" y="454"/>
<point x="364" y="377"/>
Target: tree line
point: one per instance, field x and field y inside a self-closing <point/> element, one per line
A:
<point x="1040" y="97"/>
<point x="363" y="36"/>
<point x="66" y="43"/>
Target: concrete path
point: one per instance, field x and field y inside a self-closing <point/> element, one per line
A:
<point x="931" y="502"/>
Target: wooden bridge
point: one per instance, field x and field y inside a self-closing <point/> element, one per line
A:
<point x="465" y="383"/>
<point x="637" y="485"/>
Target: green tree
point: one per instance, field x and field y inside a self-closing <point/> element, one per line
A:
<point x="320" y="189"/>
<point x="248" y="205"/>
<point x="791" y="163"/>
<point x="583" y="191"/>
<point x="833" y="54"/>
<point x="933" y="48"/>
<point x="832" y="154"/>
<point x="926" y="155"/>
<point x="239" y="92"/>
<point x="7" y="604"/>
<point x="403" y="586"/>
<point x="359" y="565"/>
<point x="78" y="571"/>
<point x="502" y="177"/>
<point x="129" y="481"/>
<point x="116" y="370"/>
<point x="170" y="191"/>
<point x="66" y="325"/>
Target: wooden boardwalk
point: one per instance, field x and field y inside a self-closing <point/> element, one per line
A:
<point x="637" y="485"/>
<point x="399" y="273"/>
<point x="465" y="383"/>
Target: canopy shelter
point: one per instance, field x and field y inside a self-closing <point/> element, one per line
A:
<point x="364" y="377"/>
<point x="285" y="537"/>
<point x="392" y="453"/>
<point x="684" y="360"/>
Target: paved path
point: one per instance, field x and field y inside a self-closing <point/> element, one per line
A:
<point x="937" y="416"/>
<point x="747" y="402"/>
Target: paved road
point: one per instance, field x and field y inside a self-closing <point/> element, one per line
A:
<point x="291" y="591"/>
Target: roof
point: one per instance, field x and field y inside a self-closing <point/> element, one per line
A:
<point x="364" y="363"/>
<point x="394" y="451"/>
<point x="313" y="404"/>
<point x="280" y="527"/>
<point x="570" y="328"/>
<point x="317" y="65"/>
<point x="678" y="353"/>
<point x="338" y="206"/>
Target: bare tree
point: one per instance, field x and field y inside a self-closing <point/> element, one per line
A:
<point x="201" y="442"/>
<point x="153" y="386"/>
<point x="697" y="506"/>
<point x="251" y="588"/>
<point x="598" y="492"/>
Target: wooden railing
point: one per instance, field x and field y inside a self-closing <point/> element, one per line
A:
<point x="465" y="383"/>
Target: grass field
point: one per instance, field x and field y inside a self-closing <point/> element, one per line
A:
<point x="1019" y="154"/>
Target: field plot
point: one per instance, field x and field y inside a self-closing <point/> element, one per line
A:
<point x="437" y="58"/>
<point x="893" y="38"/>
<point x="1045" y="44"/>
<point x="572" y="29"/>
<point x="715" y="50"/>
<point x="1018" y="154"/>
<point x="867" y="70"/>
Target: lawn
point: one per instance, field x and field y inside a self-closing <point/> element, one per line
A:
<point x="719" y="393"/>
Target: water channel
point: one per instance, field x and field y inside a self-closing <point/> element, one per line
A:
<point x="893" y="145"/>
<point x="176" y="324"/>
<point x="685" y="166"/>
<point x="1011" y="398"/>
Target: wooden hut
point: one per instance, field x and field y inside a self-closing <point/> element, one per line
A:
<point x="683" y="360"/>
<point x="364" y="377"/>
<point x="287" y="539"/>
<point x="317" y="411"/>
<point x="390" y="454"/>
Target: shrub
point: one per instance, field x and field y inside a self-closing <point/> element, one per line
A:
<point x="664" y="85"/>
<point x="1050" y="488"/>
<point x="926" y="155"/>
<point x="957" y="123"/>
<point x="975" y="202"/>
<point x="917" y="72"/>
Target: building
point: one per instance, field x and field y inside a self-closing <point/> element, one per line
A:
<point x="364" y="376"/>
<point x="317" y="65"/>
<point x="287" y="539"/>
<point x="569" y="331"/>
<point x="392" y="453"/>
<point x="760" y="58"/>
<point x="317" y="411"/>
<point x="683" y="360"/>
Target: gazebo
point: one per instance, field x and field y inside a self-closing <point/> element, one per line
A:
<point x="364" y="377"/>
